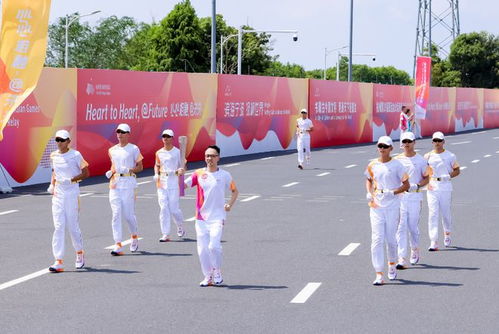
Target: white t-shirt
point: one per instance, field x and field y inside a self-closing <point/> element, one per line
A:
<point x="385" y="176"/>
<point x="303" y="126"/>
<point x="417" y="168"/>
<point x="169" y="162"/>
<point x="66" y="166"/>
<point x="441" y="164"/>
<point x="123" y="157"/>
<point x="211" y="189"/>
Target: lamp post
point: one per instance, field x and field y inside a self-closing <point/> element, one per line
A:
<point x="350" y="61"/>
<point x="69" y="20"/>
<point x="240" y="33"/>
<point x="213" y="36"/>
<point x="223" y="40"/>
<point x="326" y="52"/>
<point x="351" y="43"/>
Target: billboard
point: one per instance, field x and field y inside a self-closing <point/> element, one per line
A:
<point x="469" y="109"/>
<point x="440" y="113"/>
<point x="491" y="108"/>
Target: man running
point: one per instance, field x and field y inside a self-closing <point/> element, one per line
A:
<point x="303" y="128"/>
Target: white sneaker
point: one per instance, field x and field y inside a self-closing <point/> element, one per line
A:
<point x="392" y="272"/>
<point x="447" y="240"/>
<point x="433" y="246"/>
<point x="164" y="238"/>
<point x="379" y="280"/>
<point x="402" y="264"/>
<point x="217" y="277"/>
<point x="80" y="260"/>
<point x="117" y="249"/>
<point x="180" y="232"/>
<point x="134" y="246"/>
<point x="57" y="267"/>
<point x="208" y="280"/>
<point x="414" y="256"/>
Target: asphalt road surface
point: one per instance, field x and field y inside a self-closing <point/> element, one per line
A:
<point x="296" y="256"/>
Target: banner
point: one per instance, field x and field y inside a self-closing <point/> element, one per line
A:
<point x="469" y="109"/>
<point x="149" y="102"/>
<point x="258" y="114"/>
<point x="491" y="108"/>
<point x="423" y="77"/>
<point x="441" y="111"/>
<point x="341" y="112"/>
<point x="22" y="52"/>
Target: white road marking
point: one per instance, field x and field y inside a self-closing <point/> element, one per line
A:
<point x="143" y="182"/>
<point x="86" y="194"/>
<point x="24" y="278"/>
<point x="290" y="184"/>
<point x="323" y="174"/>
<point x="462" y="167"/>
<point x="350" y="166"/>
<point x="7" y="212"/>
<point x="267" y="158"/>
<point x="475" y="161"/>
<point x="475" y="133"/>
<point x="495" y="138"/>
<point x="349" y="249"/>
<point x="250" y="198"/>
<point x="232" y="165"/>
<point x="461" y="142"/>
<point x="191" y="219"/>
<point x="124" y="243"/>
<point x="487" y="156"/>
<point x="305" y="293"/>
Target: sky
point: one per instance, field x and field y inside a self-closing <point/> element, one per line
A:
<point x="386" y="28"/>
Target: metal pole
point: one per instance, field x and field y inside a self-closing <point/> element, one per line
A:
<point x="239" y="49"/>
<point x="338" y="67"/>
<point x="351" y="43"/>
<point x="66" y="45"/>
<point x="325" y="56"/>
<point x="222" y="54"/>
<point x="429" y="32"/>
<point x="213" y="36"/>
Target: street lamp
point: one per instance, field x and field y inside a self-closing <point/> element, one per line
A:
<point x="222" y="42"/>
<point x="326" y="52"/>
<point x="241" y="31"/>
<point x="350" y="61"/>
<point x="69" y="20"/>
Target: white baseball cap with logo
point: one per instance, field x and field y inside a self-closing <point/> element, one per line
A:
<point x="304" y="111"/>
<point x="168" y="132"/>
<point x="385" y="140"/>
<point x="123" y="127"/>
<point x="438" y="135"/>
<point x="62" y="134"/>
<point x="408" y="135"/>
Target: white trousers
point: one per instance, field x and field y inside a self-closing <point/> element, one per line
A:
<point x="384" y="222"/>
<point x="409" y="220"/>
<point x="168" y="200"/>
<point x="303" y="144"/>
<point x="439" y="204"/>
<point x="65" y="212"/>
<point x="209" y="236"/>
<point x="123" y="205"/>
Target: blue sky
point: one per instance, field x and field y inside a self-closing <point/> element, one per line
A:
<point x="386" y="28"/>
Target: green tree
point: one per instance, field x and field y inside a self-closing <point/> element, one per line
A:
<point x="442" y="75"/>
<point x="278" y="69"/>
<point x="138" y="53"/>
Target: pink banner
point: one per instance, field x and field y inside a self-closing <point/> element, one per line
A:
<point x="423" y="73"/>
<point x="469" y="109"/>
<point x="441" y="109"/>
<point x="491" y="108"/>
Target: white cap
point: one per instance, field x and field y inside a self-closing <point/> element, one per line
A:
<point x="124" y="127"/>
<point x="408" y="135"/>
<point x="438" y="135"/>
<point x="168" y="132"/>
<point x="385" y="140"/>
<point x="62" y="134"/>
<point x="304" y="111"/>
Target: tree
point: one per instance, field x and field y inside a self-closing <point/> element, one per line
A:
<point x="442" y="75"/>
<point x="138" y="53"/>
<point x="278" y="69"/>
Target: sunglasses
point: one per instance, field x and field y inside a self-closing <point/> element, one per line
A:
<point x="211" y="155"/>
<point x="166" y="136"/>
<point x="121" y="131"/>
<point x="407" y="141"/>
<point x="437" y="140"/>
<point x="383" y="146"/>
<point x="60" y="140"/>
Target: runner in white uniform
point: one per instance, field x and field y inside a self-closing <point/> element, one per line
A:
<point x="303" y="128"/>
<point x="166" y="171"/>
<point x="126" y="161"/>
<point x="443" y="166"/>
<point x="412" y="199"/>
<point x="386" y="179"/>
<point x="211" y="182"/>
<point x="68" y="168"/>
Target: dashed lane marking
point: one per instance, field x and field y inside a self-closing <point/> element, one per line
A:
<point x="23" y="279"/>
<point x="86" y="194"/>
<point x="191" y="219"/>
<point x="351" y="166"/>
<point x="487" y="155"/>
<point x="462" y="167"/>
<point x="267" y="158"/>
<point x="250" y="198"/>
<point x="290" y="184"/>
<point x="232" y="165"/>
<point x="475" y="161"/>
<point x="349" y="249"/>
<point x="461" y="142"/>
<point x="323" y="174"/>
<point x="143" y="182"/>
<point x="7" y="212"/>
<point x="305" y="293"/>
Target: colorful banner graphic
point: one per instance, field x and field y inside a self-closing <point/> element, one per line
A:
<point x="341" y="112"/>
<point x="423" y="77"/>
<point x="149" y="102"/>
<point x="22" y="52"/>
<point x="469" y="109"/>
<point x="491" y="108"/>
<point x="258" y="114"/>
<point x="441" y="110"/>
<point x="387" y="104"/>
<point x="28" y="135"/>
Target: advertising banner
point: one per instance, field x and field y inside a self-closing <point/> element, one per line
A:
<point x="341" y="112"/>
<point x="441" y="110"/>
<point x="22" y="52"/>
<point x="149" y="102"/>
<point x="258" y="114"/>
<point x="469" y="109"/>
<point x="423" y="77"/>
<point x="491" y="108"/>
<point x="28" y="136"/>
<point x="388" y="101"/>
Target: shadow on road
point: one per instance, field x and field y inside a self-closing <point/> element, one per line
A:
<point x="108" y="271"/>
<point x="408" y="282"/>
<point x="431" y="266"/>
<point x="457" y="248"/>
<point x="254" y="287"/>
<point x="157" y="254"/>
